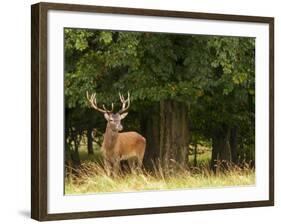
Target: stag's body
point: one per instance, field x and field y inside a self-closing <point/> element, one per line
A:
<point x="123" y="146"/>
<point x="119" y="146"/>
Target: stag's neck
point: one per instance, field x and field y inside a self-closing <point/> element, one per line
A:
<point x="110" y="138"/>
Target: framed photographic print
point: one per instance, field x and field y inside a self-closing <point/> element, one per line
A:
<point x="139" y="111"/>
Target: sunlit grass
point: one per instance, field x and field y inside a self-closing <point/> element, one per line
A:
<point x="202" y="158"/>
<point x="92" y="178"/>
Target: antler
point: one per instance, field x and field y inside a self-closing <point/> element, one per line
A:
<point x="93" y="100"/>
<point x="125" y="103"/>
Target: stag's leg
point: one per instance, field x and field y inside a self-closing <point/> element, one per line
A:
<point x="116" y="166"/>
<point x="135" y="163"/>
<point x="140" y="163"/>
<point x="140" y="160"/>
<point x="132" y="164"/>
<point x="107" y="166"/>
<point x="141" y="154"/>
<point x="125" y="166"/>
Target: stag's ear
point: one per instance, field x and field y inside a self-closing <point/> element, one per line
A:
<point x="106" y="116"/>
<point x="123" y="115"/>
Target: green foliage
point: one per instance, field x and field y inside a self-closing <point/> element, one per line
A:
<point x="213" y="75"/>
<point x="76" y="39"/>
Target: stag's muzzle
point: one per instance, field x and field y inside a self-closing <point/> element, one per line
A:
<point x="120" y="127"/>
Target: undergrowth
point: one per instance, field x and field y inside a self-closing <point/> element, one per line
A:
<point x="91" y="177"/>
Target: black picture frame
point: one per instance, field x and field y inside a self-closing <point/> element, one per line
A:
<point x="39" y="106"/>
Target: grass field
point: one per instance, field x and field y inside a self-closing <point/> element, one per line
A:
<point x="92" y="178"/>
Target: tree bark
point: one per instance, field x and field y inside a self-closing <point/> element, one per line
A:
<point x="90" y="141"/>
<point x="174" y="132"/>
<point x="195" y="155"/>
<point x="221" y="152"/>
<point x="75" y="155"/>
<point x="150" y="128"/>
<point x="233" y="141"/>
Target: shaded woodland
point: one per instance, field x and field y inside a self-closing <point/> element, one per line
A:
<point x="185" y="90"/>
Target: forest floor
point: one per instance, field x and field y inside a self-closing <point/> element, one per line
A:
<point x="92" y="178"/>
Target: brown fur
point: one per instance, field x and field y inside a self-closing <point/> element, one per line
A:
<point x="119" y="146"/>
<point x="123" y="146"/>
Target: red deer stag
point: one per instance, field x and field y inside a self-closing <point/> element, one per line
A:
<point x="119" y="146"/>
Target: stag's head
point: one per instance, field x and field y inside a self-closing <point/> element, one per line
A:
<point x="113" y="119"/>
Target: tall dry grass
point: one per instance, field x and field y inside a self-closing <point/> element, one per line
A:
<point x="91" y="177"/>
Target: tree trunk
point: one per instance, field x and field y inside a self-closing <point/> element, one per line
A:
<point x="76" y="139"/>
<point x="195" y="155"/>
<point x="233" y="141"/>
<point x="150" y="128"/>
<point x="221" y="153"/>
<point x="174" y="132"/>
<point x="75" y="157"/>
<point x="68" y="161"/>
<point x="90" y="141"/>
